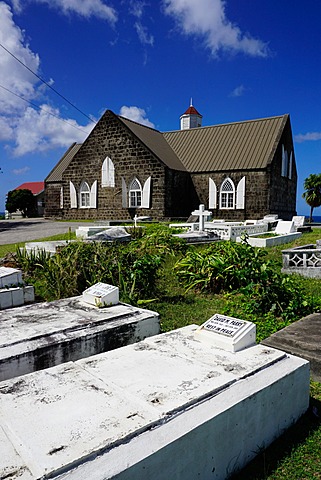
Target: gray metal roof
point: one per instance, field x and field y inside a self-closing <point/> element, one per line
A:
<point x="234" y="146"/>
<point x="56" y="173"/>
<point x="156" y="143"/>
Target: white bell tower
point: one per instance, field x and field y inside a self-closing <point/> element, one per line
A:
<point x="191" y="118"/>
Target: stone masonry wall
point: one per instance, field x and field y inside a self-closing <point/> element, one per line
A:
<point x="283" y="189"/>
<point x="131" y="159"/>
<point x="256" y="193"/>
<point x="52" y="200"/>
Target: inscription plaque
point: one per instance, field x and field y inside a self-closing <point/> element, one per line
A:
<point x="101" y="295"/>
<point x="228" y="333"/>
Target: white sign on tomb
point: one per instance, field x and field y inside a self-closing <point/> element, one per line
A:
<point x="101" y="295"/>
<point x="228" y="333"/>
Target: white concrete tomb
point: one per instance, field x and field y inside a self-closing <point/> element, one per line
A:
<point x="10" y="277"/>
<point x="41" y="335"/>
<point x="170" y="407"/>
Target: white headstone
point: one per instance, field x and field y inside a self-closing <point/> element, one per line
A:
<point x="10" y="277"/>
<point x="284" y="227"/>
<point x="202" y="214"/>
<point x="228" y="333"/>
<point x="101" y="295"/>
<point x="299" y="220"/>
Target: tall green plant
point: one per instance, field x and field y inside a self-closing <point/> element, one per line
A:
<point x="312" y="194"/>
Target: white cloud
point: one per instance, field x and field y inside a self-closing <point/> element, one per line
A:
<point x="26" y="129"/>
<point x="136" y="8"/>
<point x="83" y="8"/>
<point x="20" y="171"/>
<point x="12" y="74"/>
<point x="143" y="35"/>
<point x="307" y="137"/>
<point x="136" y="114"/>
<point x="238" y="91"/>
<point x="47" y="131"/>
<point x="207" y="19"/>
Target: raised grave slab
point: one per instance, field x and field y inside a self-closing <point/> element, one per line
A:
<point x="41" y="335"/>
<point x="168" y="407"/>
<point x="88" y="231"/>
<point x="195" y="237"/>
<point x="50" y="246"/>
<point x="255" y="241"/>
<point x="231" y="231"/>
<point x="13" y="292"/>
<point x="301" y="338"/>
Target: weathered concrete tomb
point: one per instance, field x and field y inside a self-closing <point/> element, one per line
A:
<point x="173" y="406"/>
<point x="125" y="170"/>
<point x="42" y="335"/>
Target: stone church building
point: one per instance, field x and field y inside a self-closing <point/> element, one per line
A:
<point x="242" y="170"/>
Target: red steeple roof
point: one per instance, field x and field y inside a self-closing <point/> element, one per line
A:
<point x="35" y="187"/>
<point x="192" y="111"/>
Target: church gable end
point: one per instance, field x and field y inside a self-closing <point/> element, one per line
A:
<point x="113" y="157"/>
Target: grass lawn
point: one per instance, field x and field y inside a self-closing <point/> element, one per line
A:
<point x="296" y="455"/>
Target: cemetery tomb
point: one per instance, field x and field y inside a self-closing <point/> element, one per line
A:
<point x="89" y="230"/>
<point x="13" y="291"/>
<point x="171" y="406"/>
<point x="41" y="335"/>
<point x="112" y="234"/>
<point x="50" y="247"/>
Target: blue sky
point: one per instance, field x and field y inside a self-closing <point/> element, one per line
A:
<point x="145" y="59"/>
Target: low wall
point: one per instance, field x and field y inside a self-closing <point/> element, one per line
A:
<point x="304" y="260"/>
<point x="231" y="232"/>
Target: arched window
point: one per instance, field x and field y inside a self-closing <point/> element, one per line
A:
<point x="107" y="173"/>
<point x="135" y="194"/>
<point x="227" y="194"/>
<point x="84" y="195"/>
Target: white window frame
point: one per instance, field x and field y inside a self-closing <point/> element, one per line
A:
<point x="84" y="195"/>
<point x="135" y="194"/>
<point x="73" y="195"/>
<point x="108" y="173"/>
<point x="212" y="194"/>
<point x="227" y="197"/>
<point x="285" y="161"/>
<point x="240" y="194"/>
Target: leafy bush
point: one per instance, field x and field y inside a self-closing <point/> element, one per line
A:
<point x="132" y="267"/>
<point x="227" y="267"/>
<point x="222" y="266"/>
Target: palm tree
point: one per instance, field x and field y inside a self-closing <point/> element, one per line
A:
<point x="312" y="194"/>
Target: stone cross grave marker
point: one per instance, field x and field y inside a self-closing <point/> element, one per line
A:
<point x="202" y="214"/>
<point x="101" y="295"/>
<point x="228" y="333"/>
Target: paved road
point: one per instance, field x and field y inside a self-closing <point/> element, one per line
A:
<point x="27" y="229"/>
